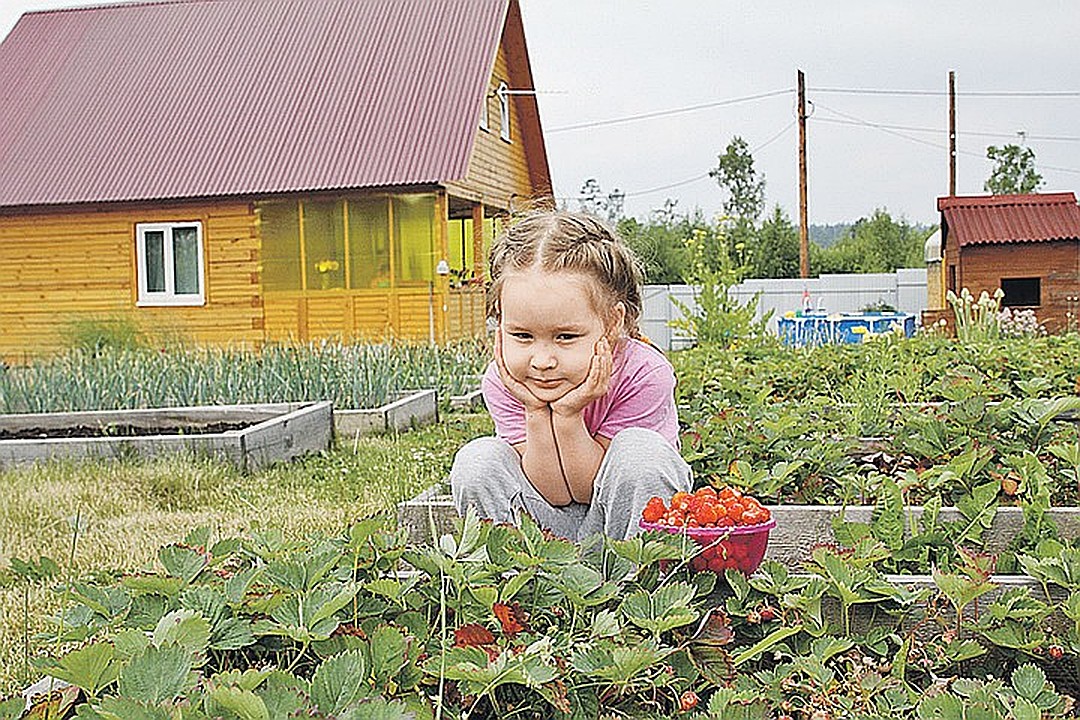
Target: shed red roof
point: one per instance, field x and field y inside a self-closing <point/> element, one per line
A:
<point x="984" y="219"/>
<point x="195" y="98"/>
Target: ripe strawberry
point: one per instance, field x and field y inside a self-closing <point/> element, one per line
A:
<point x="654" y="510"/>
<point x="706" y="515"/>
<point x="688" y="701"/>
<point x="1056" y="652"/>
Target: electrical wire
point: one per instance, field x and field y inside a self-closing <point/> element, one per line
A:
<point x="944" y="93"/>
<point x="853" y="120"/>
<point x="673" y="111"/>
<point x="966" y="133"/>
<point x="696" y="178"/>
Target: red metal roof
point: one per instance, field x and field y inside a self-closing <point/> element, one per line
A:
<point x="195" y="98"/>
<point x="984" y="219"/>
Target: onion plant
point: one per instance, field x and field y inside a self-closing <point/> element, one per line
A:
<point x="352" y="376"/>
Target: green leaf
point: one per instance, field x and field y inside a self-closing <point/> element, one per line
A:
<point x="309" y="616"/>
<point x="182" y="562"/>
<point x="613" y="663"/>
<point x="605" y="624"/>
<point x="648" y="548"/>
<point x="158" y="674"/>
<point x="766" y="643"/>
<point x="282" y="694"/>
<point x="129" y="643"/>
<point x="340" y="682"/>
<point x="125" y="708"/>
<point x="584" y="586"/>
<point x="137" y="585"/>
<point x="1024" y="709"/>
<point x="662" y="610"/>
<point x="1029" y="681"/>
<point x="12" y="709"/>
<point x="941" y="707"/>
<point x="238" y="585"/>
<point x="185" y="628"/>
<point x="960" y="589"/>
<point x="887" y="519"/>
<point x="231" y="634"/>
<point x="110" y="603"/>
<point x="91" y="668"/>
<point x="379" y="709"/>
<point x="389" y="654"/>
<point x="244" y="704"/>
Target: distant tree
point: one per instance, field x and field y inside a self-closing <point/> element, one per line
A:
<point x="873" y="244"/>
<point x="735" y="173"/>
<point x="591" y="199"/>
<point x="1014" y="170"/>
<point x="774" y="252"/>
<point x="660" y="247"/>
<point x="745" y="201"/>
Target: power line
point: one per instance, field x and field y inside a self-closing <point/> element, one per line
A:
<point x="673" y="111"/>
<point x="942" y="93"/>
<point x="853" y="120"/>
<point x="966" y="133"/>
<point x="776" y="136"/>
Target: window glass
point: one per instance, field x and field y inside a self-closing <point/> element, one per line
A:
<point x="414" y="237"/>
<point x="185" y="248"/>
<point x="459" y="243"/>
<point x="1020" y="292"/>
<point x="369" y="242"/>
<point x="155" y="260"/>
<point x="324" y="244"/>
<point x="279" y="229"/>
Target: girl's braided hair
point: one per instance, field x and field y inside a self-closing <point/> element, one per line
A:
<point x="558" y="240"/>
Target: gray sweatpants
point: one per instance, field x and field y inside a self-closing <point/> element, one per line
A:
<point x="638" y="464"/>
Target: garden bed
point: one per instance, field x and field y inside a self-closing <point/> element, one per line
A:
<point x="798" y="527"/>
<point x="406" y="411"/>
<point x="250" y="436"/>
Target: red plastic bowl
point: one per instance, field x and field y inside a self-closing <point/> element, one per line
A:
<point x="740" y="547"/>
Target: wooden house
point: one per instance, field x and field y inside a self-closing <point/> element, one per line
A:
<point x="251" y="171"/>
<point x="1027" y="246"/>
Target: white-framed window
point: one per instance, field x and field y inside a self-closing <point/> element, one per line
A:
<point x="170" y="263"/>
<point x="504" y="111"/>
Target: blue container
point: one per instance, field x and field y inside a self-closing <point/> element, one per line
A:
<point x="818" y="328"/>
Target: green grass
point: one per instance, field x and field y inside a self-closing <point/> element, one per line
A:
<point x="112" y="516"/>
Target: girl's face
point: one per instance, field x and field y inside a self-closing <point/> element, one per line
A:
<point x="550" y="329"/>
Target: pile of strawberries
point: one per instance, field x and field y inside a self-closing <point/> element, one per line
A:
<point x="710" y="508"/>
<point x="706" y="508"/>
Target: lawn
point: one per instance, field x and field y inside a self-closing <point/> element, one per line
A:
<point x="105" y="518"/>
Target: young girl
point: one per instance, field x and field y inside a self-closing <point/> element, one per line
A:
<point x="584" y="411"/>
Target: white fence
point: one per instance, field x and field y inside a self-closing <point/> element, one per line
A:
<point x="904" y="290"/>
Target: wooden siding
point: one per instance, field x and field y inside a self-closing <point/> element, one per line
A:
<point x="374" y="315"/>
<point x="1057" y="264"/>
<point x="466" y="313"/>
<point x="498" y="169"/>
<point x="73" y="265"/>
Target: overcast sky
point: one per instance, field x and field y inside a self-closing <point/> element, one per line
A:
<point x="881" y="143"/>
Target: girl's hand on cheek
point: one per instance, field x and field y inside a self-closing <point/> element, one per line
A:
<point x="513" y="386"/>
<point x="595" y="385"/>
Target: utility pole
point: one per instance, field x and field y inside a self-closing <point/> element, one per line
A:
<point x="804" y="228"/>
<point x="952" y="133"/>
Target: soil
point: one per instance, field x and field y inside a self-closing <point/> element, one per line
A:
<point x="87" y="431"/>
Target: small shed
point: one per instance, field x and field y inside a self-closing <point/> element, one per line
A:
<point x="251" y="171"/>
<point x="1028" y="246"/>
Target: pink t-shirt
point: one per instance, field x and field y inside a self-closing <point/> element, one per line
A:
<point x="642" y="395"/>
